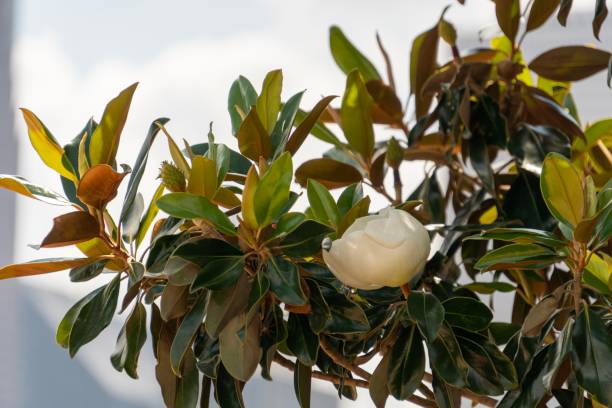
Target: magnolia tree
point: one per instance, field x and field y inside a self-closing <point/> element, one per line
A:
<point x="223" y="276"/>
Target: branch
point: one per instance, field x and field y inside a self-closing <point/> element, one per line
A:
<point x="339" y="359"/>
<point x="481" y="399"/>
<point x="282" y="361"/>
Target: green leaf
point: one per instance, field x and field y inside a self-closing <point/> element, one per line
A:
<point x="189" y="327"/>
<point x="228" y="391"/>
<point x="219" y="273"/>
<point x="329" y="172"/>
<point x="302" y="342"/>
<point x="322" y="204"/>
<point x="86" y="272"/>
<point x="427" y="312"/>
<point x="348" y="57"/>
<point x="522" y="236"/>
<point x="189" y="206"/>
<point x="591" y="355"/>
<point x="490" y="287"/>
<point x="518" y="256"/>
<point x="359" y="210"/>
<point x="239" y="345"/>
<point x="570" y="63"/>
<point x="24" y="187"/>
<point x="379" y="392"/>
<point x="237" y="162"/>
<point x="305" y="240"/>
<point x="269" y="101"/>
<point x="407" y="364"/>
<point x="347" y="317"/>
<point x="253" y="138"/>
<point x="88" y="317"/>
<point x="188" y="385"/>
<point x="319" y="130"/>
<point x="223" y="305"/>
<point x="285" y="281"/>
<point x="423" y="56"/>
<point x="105" y="139"/>
<point x="302" y="379"/>
<point x="562" y="189"/>
<point x="467" y="312"/>
<point x="598" y="274"/>
<point x="280" y="133"/>
<point x="308" y="124"/>
<point x="149" y="216"/>
<point x="139" y="167"/>
<point x="508" y="14"/>
<point x="349" y="197"/>
<point x="446" y="359"/>
<point x="272" y="191"/>
<point x="47" y="147"/>
<point x="241" y="96"/>
<point x="287" y="223"/>
<point x="131" y="338"/>
<point x="355" y="114"/>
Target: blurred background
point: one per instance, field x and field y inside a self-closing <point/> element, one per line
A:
<point x="65" y="59"/>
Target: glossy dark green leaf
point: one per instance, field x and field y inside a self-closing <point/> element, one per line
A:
<point x="347" y="317"/>
<point x="228" y="391"/>
<point x="348" y="57"/>
<point x="189" y="206"/>
<point x="87" y="272"/>
<point x="531" y="144"/>
<point x="427" y="312"/>
<point x="523" y="236"/>
<point x="131" y="338"/>
<point x="219" y="274"/>
<point x="591" y="355"/>
<point x="242" y="96"/>
<point x="407" y="364"/>
<point x="302" y="342"/>
<point x="479" y="158"/>
<point x="518" y="256"/>
<point x="88" y="317"/>
<point x="287" y="223"/>
<point x="467" y="312"/>
<point x="305" y="240"/>
<point x="280" y="134"/>
<point x="302" y="379"/>
<point x="190" y="325"/>
<point x="321" y="313"/>
<point x="524" y="202"/>
<point x="446" y="359"/>
<point x="224" y="304"/>
<point x="285" y="281"/>
<point x="272" y="191"/>
<point x="349" y="197"/>
<point x="139" y="168"/>
<point x="188" y="385"/>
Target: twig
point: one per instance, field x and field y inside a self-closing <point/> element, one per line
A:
<point x="338" y="359"/>
<point x="481" y="399"/>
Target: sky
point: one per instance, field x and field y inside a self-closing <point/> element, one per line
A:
<point x="70" y="57"/>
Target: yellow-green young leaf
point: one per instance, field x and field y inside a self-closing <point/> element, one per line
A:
<point x="83" y="162"/>
<point x="253" y="139"/>
<point x="423" y="64"/>
<point x="24" y="187"/>
<point x="71" y="228"/>
<point x="42" y="266"/>
<point x="226" y="198"/>
<point x="272" y="190"/>
<point x="447" y="32"/>
<point x="348" y="57"/>
<point x="355" y="114"/>
<point x="562" y="190"/>
<point x="508" y="14"/>
<point x="105" y="139"/>
<point x="149" y="215"/>
<point x="248" y="199"/>
<point x="269" y="101"/>
<point x="51" y="153"/>
<point x="98" y="186"/>
<point x="322" y="204"/>
<point x="203" y="177"/>
<point x="175" y="152"/>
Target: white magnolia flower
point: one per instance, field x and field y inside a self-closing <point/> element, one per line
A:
<point x="386" y="249"/>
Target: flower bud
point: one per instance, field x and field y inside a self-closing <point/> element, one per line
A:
<point x="172" y="177"/>
<point x="386" y="249"/>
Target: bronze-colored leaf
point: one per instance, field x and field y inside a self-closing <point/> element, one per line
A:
<point x="42" y="266"/>
<point x="387" y="108"/>
<point x="564" y="9"/>
<point x="377" y="170"/>
<point x="253" y="140"/>
<point x="571" y="63"/>
<point x="422" y="65"/>
<point x="99" y="185"/>
<point x="303" y="129"/>
<point x="329" y="172"/>
<point x="508" y="14"/>
<point x="71" y="228"/>
<point x="601" y="12"/>
<point x="540" y="12"/>
<point x="543" y="110"/>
